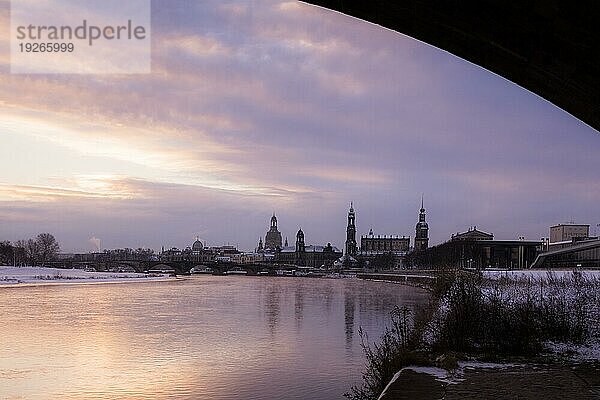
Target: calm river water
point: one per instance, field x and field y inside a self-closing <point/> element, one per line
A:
<point x="201" y="338"/>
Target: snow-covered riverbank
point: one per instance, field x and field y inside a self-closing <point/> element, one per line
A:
<point x="12" y="276"/>
<point x="537" y="274"/>
<point x="547" y="317"/>
<point x="576" y="294"/>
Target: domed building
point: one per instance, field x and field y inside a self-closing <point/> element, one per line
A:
<point x="197" y="246"/>
<point x="273" y="237"/>
<point x="199" y="252"/>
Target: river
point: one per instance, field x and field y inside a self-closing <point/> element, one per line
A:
<point x="206" y="337"/>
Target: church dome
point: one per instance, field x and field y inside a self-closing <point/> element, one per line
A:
<point x="197" y="246"/>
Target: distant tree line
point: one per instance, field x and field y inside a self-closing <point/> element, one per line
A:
<point x="107" y="255"/>
<point x="38" y="251"/>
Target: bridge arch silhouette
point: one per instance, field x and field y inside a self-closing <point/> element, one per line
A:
<point x="548" y="47"/>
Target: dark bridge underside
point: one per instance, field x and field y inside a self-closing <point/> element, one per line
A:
<point x="549" y="47"/>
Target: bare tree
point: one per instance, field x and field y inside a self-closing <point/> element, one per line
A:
<point x="6" y="253"/>
<point x="20" y="252"/>
<point x="31" y="252"/>
<point x="47" y="247"/>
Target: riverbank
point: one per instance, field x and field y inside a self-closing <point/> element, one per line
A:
<point x="416" y="278"/>
<point x="35" y="276"/>
<point x="546" y="317"/>
<point x="497" y="381"/>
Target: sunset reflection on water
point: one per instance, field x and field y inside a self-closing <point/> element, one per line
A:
<point x="202" y="338"/>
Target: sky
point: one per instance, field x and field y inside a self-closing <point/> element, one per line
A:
<point x="261" y="107"/>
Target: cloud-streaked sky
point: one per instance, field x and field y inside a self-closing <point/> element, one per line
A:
<point x="255" y="107"/>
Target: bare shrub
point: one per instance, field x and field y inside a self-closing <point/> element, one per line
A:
<point x="469" y="315"/>
<point x="396" y="349"/>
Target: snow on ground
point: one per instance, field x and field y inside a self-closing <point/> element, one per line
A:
<point x="462" y="365"/>
<point x="438" y="373"/>
<point x="586" y="352"/>
<point x="537" y="274"/>
<point x="11" y="276"/>
<point x="394" y="379"/>
<point x="448" y="377"/>
<point x="563" y="286"/>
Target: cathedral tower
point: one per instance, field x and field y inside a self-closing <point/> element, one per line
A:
<point x="421" y="231"/>
<point x="351" y="233"/>
<point x="300" y="248"/>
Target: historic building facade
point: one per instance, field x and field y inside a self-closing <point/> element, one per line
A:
<point x="308" y="256"/>
<point x="472" y="234"/>
<point x="381" y="251"/>
<point x="198" y="252"/>
<point x="372" y="243"/>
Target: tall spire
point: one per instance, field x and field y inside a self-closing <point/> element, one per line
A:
<point x="422" y="230"/>
<point x="300" y="246"/>
<point x="260" y="248"/>
<point x="351" y="232"/>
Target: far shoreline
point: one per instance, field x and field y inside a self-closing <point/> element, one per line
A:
<point x="11" y="277"/>
<point x="89" y="282"/>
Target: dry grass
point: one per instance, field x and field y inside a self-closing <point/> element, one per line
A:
<point x="469" y="315"/>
